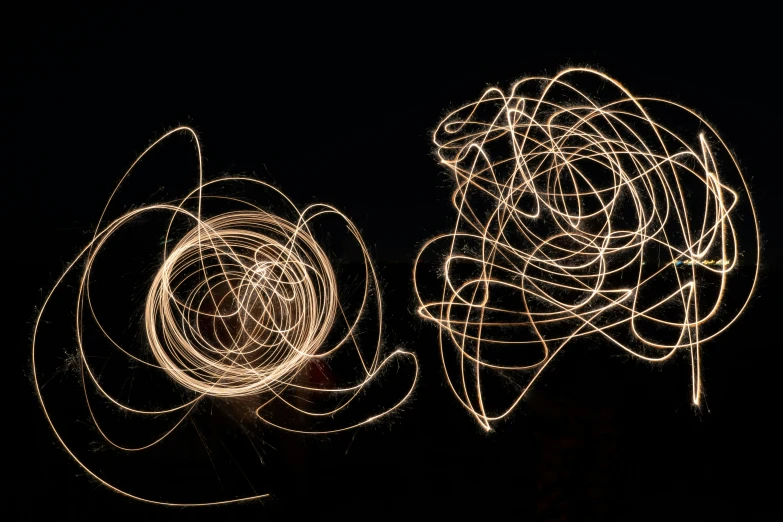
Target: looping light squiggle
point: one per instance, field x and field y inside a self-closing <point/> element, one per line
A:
<point x="580" y="214"/>
<point x="242" y="304"/>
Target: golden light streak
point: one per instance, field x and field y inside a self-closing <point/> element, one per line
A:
<point x="580" y="214"/>
<point x="242" y="303"/>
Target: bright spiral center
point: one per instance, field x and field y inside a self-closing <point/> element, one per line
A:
<point x="240" y="304"/>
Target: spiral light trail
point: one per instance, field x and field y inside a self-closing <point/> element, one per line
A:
<point x="580" y="214"/>
<point x="241" y="304"/>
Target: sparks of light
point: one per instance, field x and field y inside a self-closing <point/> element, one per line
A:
<point x="579" y="214"/>
<point x="239" y="306"/>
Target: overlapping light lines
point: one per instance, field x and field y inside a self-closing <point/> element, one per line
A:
<point x="580" y="213"/>
<point x="242" y="304"/>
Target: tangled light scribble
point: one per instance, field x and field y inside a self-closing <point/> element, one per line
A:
<point x="581" y="214"/>
<point x="242" y="304"/>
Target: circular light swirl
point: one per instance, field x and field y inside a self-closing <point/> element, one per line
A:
<point x="262" y="304"/>
<point x="580" y="214"/>
<point x="241" y="304"/>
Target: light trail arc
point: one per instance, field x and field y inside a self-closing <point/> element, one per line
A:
<point x="241" y="305"/>
<point x="581" y="213"/>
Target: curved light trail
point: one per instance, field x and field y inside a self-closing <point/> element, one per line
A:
<point x="581" y="214"/>
<point x="240" y="306"/>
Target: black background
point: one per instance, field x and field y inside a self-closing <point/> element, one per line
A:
<point x="343" y="114"/>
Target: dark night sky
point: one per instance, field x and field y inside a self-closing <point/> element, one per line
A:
<point x="344" y="116"/>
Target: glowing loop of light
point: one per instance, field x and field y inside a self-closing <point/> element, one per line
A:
<point x="579" y="214"/>
<point x="241" y="304"/>
<point x="263" y="304"/>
